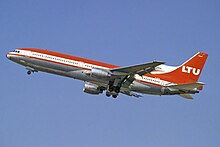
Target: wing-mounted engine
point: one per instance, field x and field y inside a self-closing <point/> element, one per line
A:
<point x="100" y="73"/>
<point x="92" y="88"/>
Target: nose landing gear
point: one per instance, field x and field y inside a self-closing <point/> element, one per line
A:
<point x="28" y="72"/>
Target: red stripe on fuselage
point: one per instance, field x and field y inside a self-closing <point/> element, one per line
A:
<point x="70" y="57"/>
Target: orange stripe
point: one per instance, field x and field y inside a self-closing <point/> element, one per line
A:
<point x="70" y="57"/>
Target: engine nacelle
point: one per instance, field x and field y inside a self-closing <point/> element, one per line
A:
<point x="100" y="73"/>
<point x="91" y="89"/>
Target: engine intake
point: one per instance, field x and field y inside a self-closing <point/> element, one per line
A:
<point x="92" y="89"/>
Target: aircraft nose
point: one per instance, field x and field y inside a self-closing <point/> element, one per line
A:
<point x="8" y="56"/>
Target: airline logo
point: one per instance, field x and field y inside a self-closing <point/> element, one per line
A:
<point x="188" y="69"/>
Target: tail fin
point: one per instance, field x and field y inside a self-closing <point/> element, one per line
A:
<point x="190" y="70"/>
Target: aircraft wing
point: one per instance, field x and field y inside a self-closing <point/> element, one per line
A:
<point x="138" y="69"/>
<point x="126" y="75"/>
<point x="187" y="86"/>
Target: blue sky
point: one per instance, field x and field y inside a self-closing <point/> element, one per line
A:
<point x="48" y="110"/>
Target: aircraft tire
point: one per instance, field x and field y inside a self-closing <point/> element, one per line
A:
<point x="108" y="95"/>
<point x="28" y="72"/>
<point x="114" y="96"/>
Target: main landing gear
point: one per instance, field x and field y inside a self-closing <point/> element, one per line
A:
<point x="113" y="94"/>
<point x="113" y="88"/>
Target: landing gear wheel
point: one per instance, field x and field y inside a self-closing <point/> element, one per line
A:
<point x="108" y="95"/>
<point x="114" y="96"/>
<point x="28" y="72"/>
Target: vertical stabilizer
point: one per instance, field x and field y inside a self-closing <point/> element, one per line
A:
<point x="189" y="71"/>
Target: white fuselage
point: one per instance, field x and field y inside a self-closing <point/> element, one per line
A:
<point x="80" y="69"/>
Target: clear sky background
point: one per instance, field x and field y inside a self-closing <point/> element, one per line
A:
<point x="52" y="111"/>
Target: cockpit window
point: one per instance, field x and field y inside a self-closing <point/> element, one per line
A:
<point x="16" y="51"/>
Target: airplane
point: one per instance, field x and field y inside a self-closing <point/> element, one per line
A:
<point x="154" y="77"/>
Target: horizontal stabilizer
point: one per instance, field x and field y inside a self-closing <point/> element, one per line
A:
<point x="187" y="86"/>
<point x="129" y="93"/>
<point x="187" y="96"/>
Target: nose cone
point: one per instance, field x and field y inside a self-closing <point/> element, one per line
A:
<point x="8" y="56"/>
